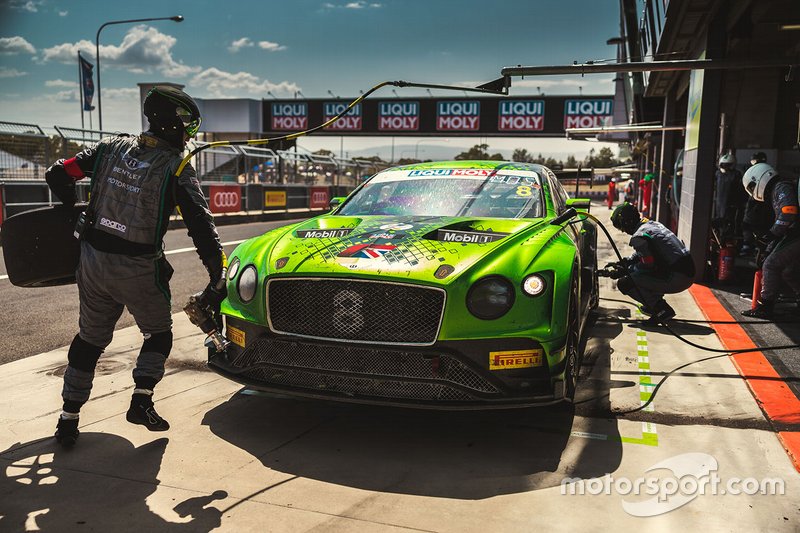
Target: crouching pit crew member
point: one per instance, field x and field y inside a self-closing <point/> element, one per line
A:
<point x="781" y="243"/>
<point x="133" y="193"/>
<point x="660" y="265"/>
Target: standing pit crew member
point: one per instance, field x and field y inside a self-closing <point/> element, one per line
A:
<point x="660" y="265"/>
<point x="782" y="241"/>
<point x="133" y="193"/>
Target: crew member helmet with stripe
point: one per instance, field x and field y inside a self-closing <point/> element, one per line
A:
<point x="171" y="110"/>
<point x="756" y="179"/>
<point x="626" y="218"/>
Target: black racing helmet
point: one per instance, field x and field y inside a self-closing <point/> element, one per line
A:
<point x="626" y="218"/>
<point x="758" y="157"/>
<point x="171" y="110"/>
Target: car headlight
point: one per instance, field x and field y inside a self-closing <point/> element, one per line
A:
<point x="247" y="283"/>
<point x="490" y="297"/>
<point x="533" y="285"/>
<point x="233" y="269"/>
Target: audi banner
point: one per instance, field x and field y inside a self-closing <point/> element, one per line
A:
<point x="318" y="197"/>
<point x="225" y="198"/>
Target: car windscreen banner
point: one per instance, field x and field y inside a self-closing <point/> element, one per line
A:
<point x="318" y="197"/>
<point x="485" y="116"/>
<point x="225" y="198"/>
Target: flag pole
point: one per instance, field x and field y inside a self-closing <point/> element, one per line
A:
<point x="80" y="87"/>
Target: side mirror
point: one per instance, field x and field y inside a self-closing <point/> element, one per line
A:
<point x="336" y="201"/>
<point x="580" y="203"/>
<point x="563" y="217"/>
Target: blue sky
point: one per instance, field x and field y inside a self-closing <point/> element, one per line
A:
<point x="244" y="48"/>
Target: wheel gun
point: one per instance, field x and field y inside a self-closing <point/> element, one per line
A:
<point x="200" y="311"/>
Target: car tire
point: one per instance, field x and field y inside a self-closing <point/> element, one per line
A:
<point x="39" y="248"/>
<point x="572" y="349"/>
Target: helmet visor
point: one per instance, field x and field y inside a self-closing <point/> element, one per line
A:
<point x="191" y="124"/>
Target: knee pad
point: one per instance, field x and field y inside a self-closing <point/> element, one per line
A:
<point x="83" y="355"/>
<point x="160" y="343"/>
<point x="625" y="285"/>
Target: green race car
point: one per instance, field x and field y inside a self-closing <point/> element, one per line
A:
<point x="462" y="284"/>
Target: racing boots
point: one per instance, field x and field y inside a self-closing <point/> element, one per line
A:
<point x="763" y="309"/>
<point x="67" y="431"/>
<point x="660" y="313"/>
<point x="143" y="412"/>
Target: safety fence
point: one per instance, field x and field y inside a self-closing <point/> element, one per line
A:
<point x="19" y="196"/>
<point x="26" y="151"/>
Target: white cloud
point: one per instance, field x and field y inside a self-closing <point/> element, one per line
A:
<point x="221" y="84"/>
<point x="63" y="96"/>
<point x="32" y="6"/>
<point x="270" y="46"/>
<point x="359" y="4"/>
<point x="127" y="93"/>
<point x="238" y="44"/>
<point x="15" y="45"/>
<point x="11" y="73"/>
<point x="63" y="13"/>
<point x="60" y="83"/>
<point x="143" y="49"/>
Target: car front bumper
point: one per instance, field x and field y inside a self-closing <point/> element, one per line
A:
<point x="447" y="375"/>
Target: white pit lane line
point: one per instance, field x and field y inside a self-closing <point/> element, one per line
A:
<point x="170" y="252"/>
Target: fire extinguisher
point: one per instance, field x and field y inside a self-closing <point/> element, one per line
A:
<point x="756" y="288"/>
<point x="725" y="263"/>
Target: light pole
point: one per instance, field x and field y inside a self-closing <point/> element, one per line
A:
<point x="416" y="147"/>
<point x="176" y="18"/>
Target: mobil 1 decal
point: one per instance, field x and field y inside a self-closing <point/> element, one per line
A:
<point x="459" y="115"/>
<point x="289" y="116"/>
<point x="398" y="116"/>
<point x="351" y="121"/>
<point x="520" y="115"/>
<point x="588" y="113"/>
<point x="332" y="233"/>
<point x="468" y="237"/>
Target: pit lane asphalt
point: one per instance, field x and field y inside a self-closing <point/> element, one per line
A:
<point x="36" y="320"/>
<point x="236" y="460"/>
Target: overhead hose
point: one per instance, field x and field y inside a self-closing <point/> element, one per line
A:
<point x="295" y="135"/>
<point x="668" y="328"/>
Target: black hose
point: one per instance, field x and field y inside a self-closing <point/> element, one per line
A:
<point x="678" y="336"/>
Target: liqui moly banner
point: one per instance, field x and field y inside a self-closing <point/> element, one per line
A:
<point x="351" y="121"/>
<point x="588" y="113"/>
<point x="225" y="198"/>
<point x="289" y="116"/>
<point x="458" y="115"/>
<point x="398" y="116"/>
<point x="520" y="115"/>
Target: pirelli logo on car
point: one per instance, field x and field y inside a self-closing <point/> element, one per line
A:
<point x="236" y="336"/>
<point x="515" y="359"/>
<point x="468" y="237"/>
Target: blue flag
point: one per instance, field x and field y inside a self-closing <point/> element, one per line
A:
<point x="88" y="84"/>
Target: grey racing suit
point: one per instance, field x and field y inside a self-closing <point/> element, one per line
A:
<point x="133" y="193"/>
<point x="784" y="250"/>
<point x="660" y="265"/>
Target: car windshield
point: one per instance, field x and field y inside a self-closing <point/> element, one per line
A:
<point x="449" y="192"/>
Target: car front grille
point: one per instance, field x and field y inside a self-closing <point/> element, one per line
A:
<point x="362" y="371"/>
<point x="355" y="310"/>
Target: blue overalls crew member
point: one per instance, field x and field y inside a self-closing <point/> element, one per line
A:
<point x="133" y="193"/>
<point x="782" y="242"/>
<point x="660" y="265"/>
